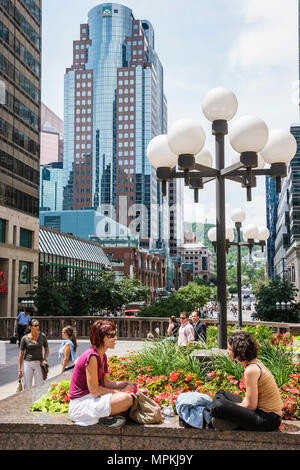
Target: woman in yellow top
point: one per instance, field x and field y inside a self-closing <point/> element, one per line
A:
<point x="261" y="408"/>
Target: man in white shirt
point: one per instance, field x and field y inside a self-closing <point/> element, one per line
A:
<point x="186" y="331"/>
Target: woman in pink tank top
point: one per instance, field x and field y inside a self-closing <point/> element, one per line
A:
<point x="92" y="395"/>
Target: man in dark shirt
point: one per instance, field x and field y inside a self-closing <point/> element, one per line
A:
<point x="199" y="327"/>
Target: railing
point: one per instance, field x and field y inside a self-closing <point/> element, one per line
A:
<point x="129" y="328"/>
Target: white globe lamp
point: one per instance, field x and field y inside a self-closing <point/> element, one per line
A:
<point x="186" y="137"/>
<point x="281" y="147"/>
<point x="229" y="234"/>
<point x="219" y="104"/>
<point x="159" y="153"/>
<point x="263" y="233"/>
<point x="212" y="234"/>
<point x="248" y="134"/>
<point x="250" y="232"/>
<point x="238" y="215"/>
<point x="204" y="158"/>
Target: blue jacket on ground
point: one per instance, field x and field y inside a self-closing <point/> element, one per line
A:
<point x="194" y="408"/>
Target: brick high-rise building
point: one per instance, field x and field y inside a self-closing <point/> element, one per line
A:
<point x="20" y="83"/>
<point x="114" y="105"/>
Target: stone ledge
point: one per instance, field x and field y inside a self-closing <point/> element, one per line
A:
<point x="21" y="429"/>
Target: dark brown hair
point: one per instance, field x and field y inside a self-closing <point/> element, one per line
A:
<point x="243" y="345"/>
<point x="185" y="314"/>
<point x="99" y="330"/>
<point x="173" y="318"/>
<point x="69" y="330"/>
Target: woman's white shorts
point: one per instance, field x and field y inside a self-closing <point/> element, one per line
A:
<point x="87" y="410"/>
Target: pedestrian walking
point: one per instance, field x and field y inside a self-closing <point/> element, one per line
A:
<point x="31" y="355"/>
<point x="22" y="322"/>
<point x="67" y="350"/>
<point x="173" y="328"/>
<point x="186" y="331"/>
<point x="199" y="327"/>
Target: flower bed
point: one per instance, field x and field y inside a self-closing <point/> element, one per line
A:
<point x="166" y="376"/>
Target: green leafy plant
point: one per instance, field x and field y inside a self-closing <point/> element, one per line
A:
<point x="56" y="400"/>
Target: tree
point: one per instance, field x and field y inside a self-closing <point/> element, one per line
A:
<point x="132" y="290"/>
<point x="79" y="295"/>
<point x="165" y="307"/>
<point x="48" y="298"/>
<point x="195" y="296"/>
<point x="275" y="290"/>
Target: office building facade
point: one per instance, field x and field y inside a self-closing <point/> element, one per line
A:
<point x="20" y="82"/>
<point x="272" y="199"/>
<point x="51" y="187"/>
<point x="52" y="130"/>
<point x="114" y="105"/>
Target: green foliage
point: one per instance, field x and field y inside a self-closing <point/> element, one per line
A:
<point x="48" y="299"/>
<point x="194" y="295"/>
<point x="56" y="400"/>
<point x="81" y="295"/>
<point x="165" y="307"/>
<point x="165" y="357"/>
<point x="78" y="294"/>
<point x="275" y="290"/>
<point x="278" y="360"/>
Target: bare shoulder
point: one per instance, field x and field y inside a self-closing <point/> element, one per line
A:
<point x="252" y="371"/>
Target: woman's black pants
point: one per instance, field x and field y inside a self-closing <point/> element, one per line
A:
<point x="225" y="406"/>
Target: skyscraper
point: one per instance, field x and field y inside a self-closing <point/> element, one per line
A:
<point x="271" y="211"/>
<point x="20" y="81"/>
<point x="114" y="105"/>
<point x="51" y="137"/>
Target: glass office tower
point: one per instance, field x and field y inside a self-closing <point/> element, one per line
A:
<point x="114" y="105"/>
<point x="20" y="83"/>
<point x="272" y="198"/>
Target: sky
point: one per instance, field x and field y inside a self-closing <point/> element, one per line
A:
<point x="248" y="46"/>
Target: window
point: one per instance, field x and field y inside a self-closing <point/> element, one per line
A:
<point x="26" y="238"/>
<point x="24" y="272"/>
<point x="2" y="230"/>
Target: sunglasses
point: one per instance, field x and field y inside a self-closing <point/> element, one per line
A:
<point x="111" y="335"/>
<point x="36" y="325"/>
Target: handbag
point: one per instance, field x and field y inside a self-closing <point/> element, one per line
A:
<point x="13" y="339"/>
<point x="144" y="410"/>
<point x="20" y="386"/>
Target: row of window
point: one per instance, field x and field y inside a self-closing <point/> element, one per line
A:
<point x="23" y="24"/>
<point x="33" y="8"/>
<point x="125" y="73"/>
<point x="14" y="165"/>
<point x="83" y="93"/>
<point x="18" y="137"/>
<point x="83" y="119"/>
<point x="18" y="78"/>
<point x="125" y="91"/>
<point x="22" y="111"/>
<point x="83" y="146"/>
<point x="16" y="199"/>
<point x="25" y="56"/>
<point x="83" y="84"/>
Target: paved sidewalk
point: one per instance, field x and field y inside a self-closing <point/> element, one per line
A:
<point x="9" y="370"/>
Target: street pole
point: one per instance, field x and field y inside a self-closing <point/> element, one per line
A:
<point x="220" y="129"/>
<point x="239" y="274"/>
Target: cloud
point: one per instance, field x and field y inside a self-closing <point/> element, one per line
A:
<point x="269" y="35"/>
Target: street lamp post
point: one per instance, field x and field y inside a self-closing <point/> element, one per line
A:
<point x="250" y="234"/>
<point x="178" y="155"/>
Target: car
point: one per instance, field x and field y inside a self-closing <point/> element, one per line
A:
<point x="131" y="313"/>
